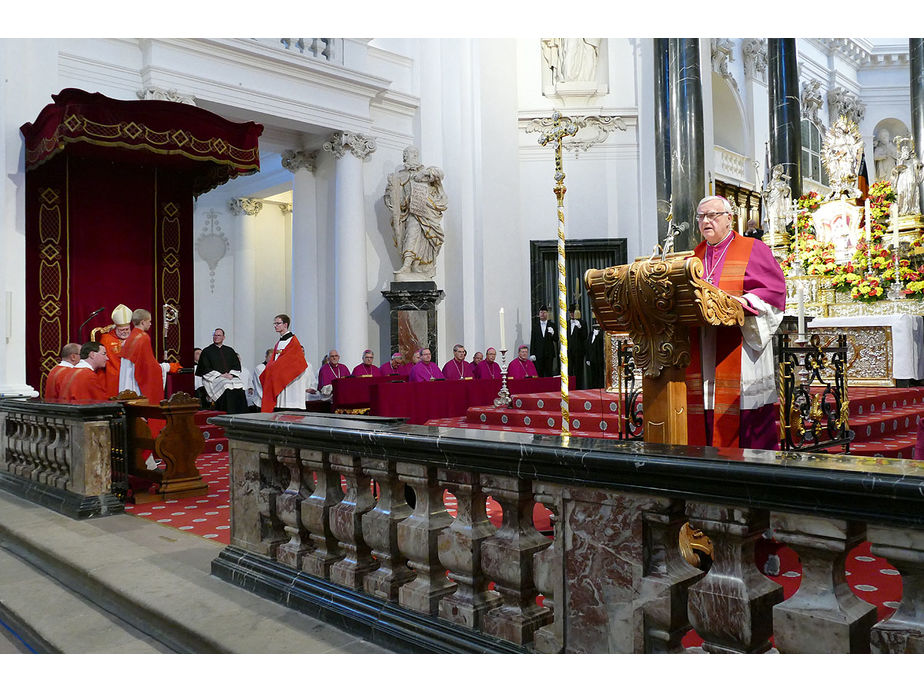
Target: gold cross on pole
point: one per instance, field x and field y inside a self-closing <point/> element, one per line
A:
<point x="561" y="127"/>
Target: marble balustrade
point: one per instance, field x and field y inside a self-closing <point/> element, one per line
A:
<point x="59" y="454"/>
<point x="310" y="528"/>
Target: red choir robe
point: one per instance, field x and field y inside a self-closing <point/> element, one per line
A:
<point x="423" y="372"/>
<point x="82" y="384"/>
<point x="330" y="373"/>
<point x="364" y="371"/>
<point x="521" y="368"/>
<point x="281" y="369"/>
<point x="148" y="373"/>
<point x="486" y="370"/>
<point x="53" y="381"/>
<point x="114" y="351"/>
<point x="458" y="370"/>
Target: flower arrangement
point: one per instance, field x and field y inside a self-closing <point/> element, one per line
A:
<point x="872" y="268"/>
<point x="868" y="290"/>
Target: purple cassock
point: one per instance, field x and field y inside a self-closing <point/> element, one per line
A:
<point x="362" y="371"/>
<point x="458" y="370"/>
<point x="487" y="370"/>
<point x="387" y="369"/>
<point x="330" y="373"/>
<point x="521" y="368"/>
<point x="423" y="372"/>
<point x="406" y="368"/>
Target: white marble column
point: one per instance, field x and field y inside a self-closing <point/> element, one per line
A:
<point x="250" y="329"/>
<point x="351" y="304"/>
<point x="305" y="286"/>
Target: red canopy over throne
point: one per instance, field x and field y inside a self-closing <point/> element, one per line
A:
<point x="109" y="214"/>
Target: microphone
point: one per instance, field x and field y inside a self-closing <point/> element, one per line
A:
<point x="91" y="316"/>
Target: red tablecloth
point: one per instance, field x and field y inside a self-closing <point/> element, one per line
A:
<point x="355" y="393"/>
<point x="180" y="382"/>
<point x="436" y="399"/>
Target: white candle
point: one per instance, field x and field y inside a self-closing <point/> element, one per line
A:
<point x="801" y="312"/>
<point x="869" y="235"/>
<point x="503" y="338"/>
<point x="795" y="230"/>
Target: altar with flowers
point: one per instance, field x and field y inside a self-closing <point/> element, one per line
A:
<point x="824" y="283"/>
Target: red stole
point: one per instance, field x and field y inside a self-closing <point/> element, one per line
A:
<point x="726" y="423"/>
<point x="282" y="368"/>
<point x="148" y="374"/>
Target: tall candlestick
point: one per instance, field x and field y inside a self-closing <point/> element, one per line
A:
<point x="503" y="337"/>
<point x="801" y="313"/>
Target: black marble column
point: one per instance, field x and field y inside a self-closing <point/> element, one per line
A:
<point x="688" y="176"/>
<point x="916" y="60"/>
<point x="662" y="123"/>
<point x="785" y="111"/>
<point x="413" y="317"/>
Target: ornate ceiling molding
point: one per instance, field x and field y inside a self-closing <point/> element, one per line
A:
<point x="862" y="53"/>
<point x="248" y="206"/>
<point x="357" y="144"/>
<point x="722" y="55"/>
<point x="294" y="160"/>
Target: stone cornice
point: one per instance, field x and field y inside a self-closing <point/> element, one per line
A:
<point x="862" y="53"/>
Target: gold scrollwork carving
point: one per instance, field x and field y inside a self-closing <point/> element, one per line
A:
<point x="693" y="542"/>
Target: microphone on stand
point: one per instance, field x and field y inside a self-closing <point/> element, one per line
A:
<point x="91" y="316"/>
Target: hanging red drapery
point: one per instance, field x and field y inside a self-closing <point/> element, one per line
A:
<point x="109" y="192"/>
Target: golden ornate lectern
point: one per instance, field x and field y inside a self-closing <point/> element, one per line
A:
<point x="656" y="300"/>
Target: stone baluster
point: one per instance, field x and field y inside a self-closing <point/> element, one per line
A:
<point x="252" y="523"/>
<point x="667" y="578"/>
<point x="288" y="510"/>
<point x="346" y="523"/>
<point x="380" y="530"/>
<point x="548" y="573"/>
<point x="459" y="547"/>
<point x="417" y="539"/>
<point x="271" y="533"/>
<point x="823" y="616"/>
<point x="507" y="558"/>
<point x="903" y="631"/>
<point x="731" y="607"/>
<point x="316" y="515"/>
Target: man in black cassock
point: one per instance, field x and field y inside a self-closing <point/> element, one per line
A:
<point x="577" y="342"/>
<point x="543" y="344"/>
<point x="220" y="370"/>
<point x="594" y="356"/>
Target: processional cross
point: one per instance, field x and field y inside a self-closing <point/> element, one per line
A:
<point x="561" y="127"/>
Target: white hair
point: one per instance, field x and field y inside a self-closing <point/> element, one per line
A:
<point x="709" y="198"/>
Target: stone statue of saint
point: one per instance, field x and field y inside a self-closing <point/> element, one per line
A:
<point x="779" y="201"/>
<point x="841" y="153"/>
<point x="906" y="177"/>
<point x="885" y="156"/>
<point x="414" y="194"/>
<point x="571" y="59"/>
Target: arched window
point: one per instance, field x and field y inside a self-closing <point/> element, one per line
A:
<point x="811" y="153"/>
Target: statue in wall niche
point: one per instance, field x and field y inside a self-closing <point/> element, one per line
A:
<point x="885" y="155"/>
<point x="571" y="59"/>
<point x="906" y="177"/>
<point x="414" y="194"/>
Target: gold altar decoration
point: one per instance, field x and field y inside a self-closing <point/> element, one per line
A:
<point x="655" y="300"/>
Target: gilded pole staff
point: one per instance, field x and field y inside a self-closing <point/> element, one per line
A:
<point x="561" y="128"/>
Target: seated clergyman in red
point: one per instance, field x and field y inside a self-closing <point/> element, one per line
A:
<point x="522" y="367"/>
<point x="70" y="357"/>
<point x="86" y="382"/>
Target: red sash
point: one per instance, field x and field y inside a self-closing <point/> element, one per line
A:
<point x="53" y="382"/>
<point x="281" y="369"/>
<point x="727" y="413"/>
